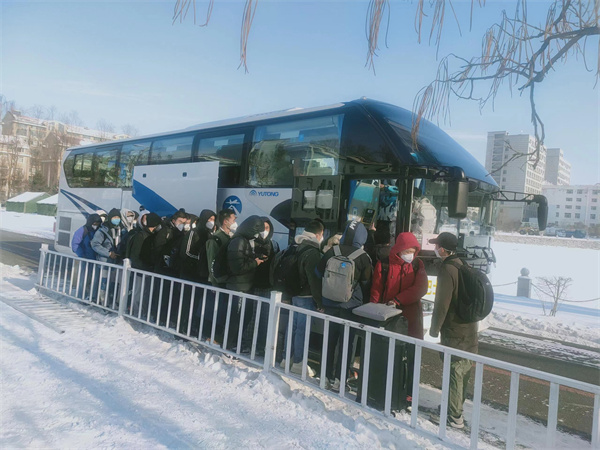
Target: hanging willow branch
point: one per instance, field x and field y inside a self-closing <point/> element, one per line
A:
<point x="376" y="11"/>
<point x="248" y="17"/>
<point x="516" y="53"/>
<point x="182" y="8"/>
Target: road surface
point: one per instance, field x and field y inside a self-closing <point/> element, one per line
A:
<point x="20" y="249"/>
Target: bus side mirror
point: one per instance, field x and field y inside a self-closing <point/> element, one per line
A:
<point x="542" y="211"/>
<point x="458" y="198"/>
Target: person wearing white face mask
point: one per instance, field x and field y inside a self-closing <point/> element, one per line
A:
<point x="227" y="226"/>
<point x="454" y="332"/>
<point x="193" y="265"/>
<point x="264" y="249"/>
<point x="400" y="280"/>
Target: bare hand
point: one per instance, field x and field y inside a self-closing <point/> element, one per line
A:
<point x="391" y="303"/>
<point x="259" y="261"/>
<point x="113" y="255"/>
<point x="321" y="310"/>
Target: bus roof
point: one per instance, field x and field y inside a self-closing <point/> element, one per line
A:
<point x="434" y="146"/>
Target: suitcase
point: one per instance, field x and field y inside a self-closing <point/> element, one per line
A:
<point x="378" y="368"/>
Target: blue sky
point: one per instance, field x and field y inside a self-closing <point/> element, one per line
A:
<point x="125" y="62"/>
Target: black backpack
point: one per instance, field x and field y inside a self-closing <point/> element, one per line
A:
<point x="285" y="272"/>
<point x="475" y="294"/>
<point x="219" y="268"/>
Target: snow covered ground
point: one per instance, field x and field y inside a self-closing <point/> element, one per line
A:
<point x="30" y="224"/>
<point x="109" y="384"/>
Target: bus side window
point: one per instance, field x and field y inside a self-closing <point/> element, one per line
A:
<point x="105" y="171"/>
<point x="82" y="170"/>
<point x="68" y="167"/>
<point x="132" y="155"/>
<point x="173" y="150"/>
<point x="228" y="151"/>
<point x="300" y="148"/>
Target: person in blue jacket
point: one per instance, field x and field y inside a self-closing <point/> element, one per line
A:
<point x="81" y="244"/>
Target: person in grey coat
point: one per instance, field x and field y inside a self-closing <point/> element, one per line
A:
<point x="107" y="238"/>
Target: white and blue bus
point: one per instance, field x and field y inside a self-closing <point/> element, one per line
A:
<point x="344" y="161"/>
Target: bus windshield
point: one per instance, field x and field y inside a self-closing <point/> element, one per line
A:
<point x="429" y="214"/>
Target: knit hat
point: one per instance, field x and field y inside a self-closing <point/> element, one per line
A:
<point x="152" y="220"/>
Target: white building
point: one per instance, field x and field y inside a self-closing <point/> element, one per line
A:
<point x="510" y="161"/>
<point x="572" y="206"/>
<point x="558" y="169"/>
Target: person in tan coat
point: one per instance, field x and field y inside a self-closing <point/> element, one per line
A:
<point x="455" y="333"/>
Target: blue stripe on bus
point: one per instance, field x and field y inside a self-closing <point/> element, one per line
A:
<point x="82" y="200"/>
<point x="151" y="200"/>
<point x="77" y="205"/>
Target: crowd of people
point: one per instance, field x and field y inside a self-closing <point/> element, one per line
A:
<point x="354" y="267"/>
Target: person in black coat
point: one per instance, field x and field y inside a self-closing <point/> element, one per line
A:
<point x="241" y="258"/>
<point x="192" y="253"/>
<point x="165" y="241"/>
<point x="265" y="249"/>
<point x="139" y="243"/>
<point x="139" y="253"/>
<point x="243" y="261"/>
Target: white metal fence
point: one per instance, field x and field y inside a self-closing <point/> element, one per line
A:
<point x="254" y="329"/>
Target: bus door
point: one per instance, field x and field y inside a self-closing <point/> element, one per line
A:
<point x="372" y="202"/>
<point x="165" y="188"/>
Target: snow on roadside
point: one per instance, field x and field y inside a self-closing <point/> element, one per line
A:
<point x="29" y="224"/>
<point x="571" y="324"/>
<point x="108" y="385"/>
<point x="114" y="384"/>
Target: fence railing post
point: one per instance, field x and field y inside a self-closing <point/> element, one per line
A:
<point x="124" y="286"/>
<point x="43" y="251"/>
<point x="272" y="330"/>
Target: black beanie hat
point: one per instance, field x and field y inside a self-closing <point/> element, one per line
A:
<point x="152" y="220"/>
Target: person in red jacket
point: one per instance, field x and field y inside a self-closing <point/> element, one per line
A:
<point x="405" y="284"/>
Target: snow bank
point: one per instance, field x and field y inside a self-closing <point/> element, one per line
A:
<point x="574" y="324"/>
<point x="110" y="386"/>
<point x="26" y="197"/>
<point x="53" y="200"/>
<point x="29" y="224"/>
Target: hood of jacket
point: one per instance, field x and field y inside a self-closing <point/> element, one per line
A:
<point x="270" y="235"/>
<point x="355" y="235"/>
<point x="92" y="219"/>
<point x="112" y="213"/>
<point x="205" y="214"/>
<point x="250" y="227"/>
<point x="127" y="218"/>
<point x="404" y="241"/>
<point x="307" y="236"/>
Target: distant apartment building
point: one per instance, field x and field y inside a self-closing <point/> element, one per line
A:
<point x="47" y="141"/>
<point x="15" y="165"/>
<point x="575" y="206"/>
<point x="510" y="162"/>
<point x="558" y="169"/>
